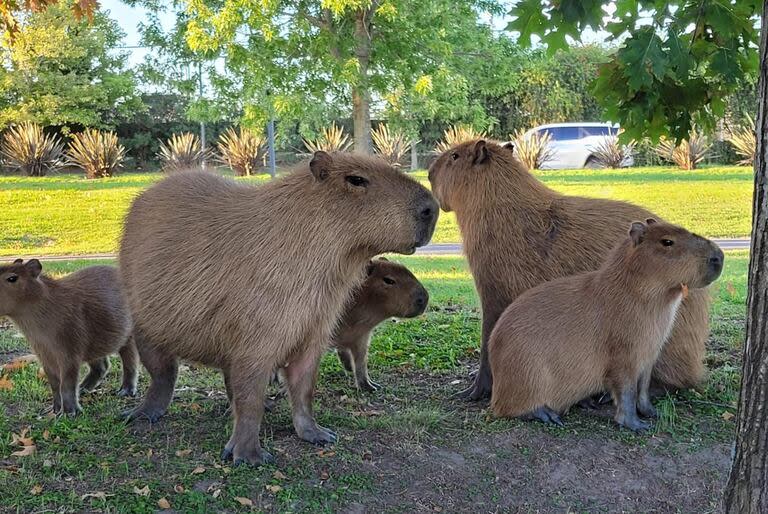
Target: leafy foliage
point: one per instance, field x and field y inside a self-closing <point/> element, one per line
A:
<point x="611" y="153"/>
<point x="744" y="142"/>
<point x="392" y="145"/>
<point x="241" y="150"/>
<point x="181" y="152"/>
<point x="27" y="149"/>
<point x="10" y="8"/>
<point x="534" y="149"/>
<point x="332" y="139"/>
<point x="677" y="62"/>
<point x="96" y="152"/>
<point x="688" y="153"/>
<point x="458" y="134"/>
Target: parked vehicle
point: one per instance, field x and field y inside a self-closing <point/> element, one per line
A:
<point x="573" y="143"/>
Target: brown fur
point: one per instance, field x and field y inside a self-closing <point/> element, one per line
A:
<point x="519" y="233"/>
<point x="602" y="330"/>
<point x="248" y="279"/>
<point x="79" y="318"/>
<point x="389" y="290"/>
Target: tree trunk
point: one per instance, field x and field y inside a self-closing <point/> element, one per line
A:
<point x="747" y="490"/>
<point x="361" y="95"/>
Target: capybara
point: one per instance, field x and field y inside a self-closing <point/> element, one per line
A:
<point x="389" y="289"/>
<point x="601" y="330"/>
<point x="252" y="278"/>
<point x="79" y="318"/>
<point x="518" y="233"/>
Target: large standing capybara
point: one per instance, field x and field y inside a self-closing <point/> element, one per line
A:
<point x="518" y="233"/>
<point x="79" y="318"/>
<point x="390" y="289"/>
<point x="602" y="330"/>
<point x="249" y="279"/>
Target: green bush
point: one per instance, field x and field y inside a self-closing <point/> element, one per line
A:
<point x="25" y="148"/>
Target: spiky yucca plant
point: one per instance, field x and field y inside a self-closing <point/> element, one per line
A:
<point x="688" y="154"/>
<point x="332" y="139"/>
<point x="241" y="150"/>
<point x="96" y="152"/>
<point x="744" y="142"/>
<point x="608" y="153"/>
<point x="458" y="134"/>
<point x="181" y="152"/>
<point x="392" y="145"/>
<point x="27" y="149"/>
<point x="533" y="150"/>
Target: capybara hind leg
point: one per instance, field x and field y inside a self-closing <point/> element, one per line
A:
<point x="70" y="405"/>
<point x="681" y="362"/>
<point x="301" y="375"/>
<point x="625" y="397"/>
<point x="545" y="415"/>
<point x="345" y="357"/>
<point x="360" y="356"/>
<point x="248" y="391"/>
<point x="130" y="357"/>
<point x="163" y="369"/>
<point x="53" y="375"/>
<point x="98" y="370"/>
<point x="644" y="405"/>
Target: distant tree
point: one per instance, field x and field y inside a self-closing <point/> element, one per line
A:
<point x="10" y="9"/>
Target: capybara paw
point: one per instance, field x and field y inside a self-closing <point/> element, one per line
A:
<point x="127" y="391"/>
<point x="647" y="410"/>
<point x="545" y="415"/>
<point x="317" y="435"/>
<point x="588" y="404"/>
<point x="473" y="393"/>
<point x="70" y="411"/>
<point x="253" y="457"/>
<point x="141" y="413"/>
<point x="368" y="385"/>
<point x="635" y="425"/>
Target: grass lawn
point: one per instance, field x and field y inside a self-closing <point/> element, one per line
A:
<point x="66" y="214"/>
<point x="406" y="448"/>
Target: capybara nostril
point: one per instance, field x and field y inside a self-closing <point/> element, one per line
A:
<point x="426" y="213"/>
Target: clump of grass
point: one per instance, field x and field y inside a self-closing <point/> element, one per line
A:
<point x="181" y="152"/>
<point x="744" y="142"/>
<point x="609" y="153"/>
<point x="458" y="134"/>
<point x="392" y="145"/>
<point x="332" y="139"/>
<point x="26" y="149"/>
<point x="96" y="152"/>
<point x="689" y="153"/>
<point x="534" y="149"/>
<point x="241" y="150"/>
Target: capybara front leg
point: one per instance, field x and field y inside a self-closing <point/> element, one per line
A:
<point x="644" y="405"/>
<point x="345" y="357"/>
<point x="54" y="380"/>
<point x="248" y="389"/>
<point x="97" y="372"/>
<point x="625" y="398"/>
<point x="360" y="356"/>
<point x="130" y="357"/>
<point x="483" y="383"/>
<point x="70" y="405"/>
<point x="163" y="369"/>
<point x="301" y="375"/>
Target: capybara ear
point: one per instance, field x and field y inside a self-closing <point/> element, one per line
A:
<point x="18" y="261"/>
<point x="637" y="232"/>
<point x="383" y="259"/>
<point x="320" y="165"/>
<point x="34" y="266"/>
<point x="481" y="152"/>
<point x="650" y="221"/>
<point x="369" y="268"/>
<point x="509" y="145"/>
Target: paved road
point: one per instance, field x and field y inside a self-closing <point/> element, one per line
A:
<point x="431" y="249"/>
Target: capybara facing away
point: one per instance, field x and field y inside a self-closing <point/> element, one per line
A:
<point x="389" y="289"/>
<point x="518" y="233"/>
<point x="79" y="318"/>
<point x="602" y="330"/>
<point x="249" y="279"/>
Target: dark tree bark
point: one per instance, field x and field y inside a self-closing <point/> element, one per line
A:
<point x="747" y="490"/>
<point x="361" y="94"/>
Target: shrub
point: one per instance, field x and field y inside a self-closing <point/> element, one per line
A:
<point x="458" y="134"/>
<point x="608" y="153"/>
<point x="391" y="145"/>
<point x="27" y="149"/>
<point x="688" y="154"/>
<point x="744" y="142"/>
<point x="533" y="150"/>
<point x="97" y="153"/>
<point x="242" y="151"/>
<point x="181" y="152"/>
<point x="332" y="139"/>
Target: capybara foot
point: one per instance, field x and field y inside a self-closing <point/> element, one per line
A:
<point x="368" y="385"/>
<point x="634" y="424"/>
<point x="270" y="404"/>
<point x="646" y="409"/>
<point x="473" y="393"/>
<point x="254" y="457"/>
<point x="127" y="391"/>
<point x="317" y="435"/>
<point x="89" y="386"/>
<point x="150" y="414"/>
<point x="70" y="411"/>
<point x="545" y="415"/>
<point x="596" y="401"/>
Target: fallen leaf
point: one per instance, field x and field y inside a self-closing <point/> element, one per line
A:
<point x="198" y="470"/>
<point x="727" y="416"/>
<point x="150" y="453"/>
<point x="101" y="495"/>
<point x="325" y="453"/>
<point x="22" y="439"/>
<point x="279" y="475"/>
<point x="216" y="493"/>
<point x="46" y="435"/>
<point x="195" y="407"/>
<point x="183" y="453"/>
<point x="246" y="502"/>
<point x="324" y="474"/>
<point x="20" y="363"/>
<point x="6" y="384"/>
<point x="163" y="503"/>
<point x="731" y="289"/>
<point x="36" y="489"/>
<point x="25" y="452"/>
<point x="178" y="488"/>
<point x="144" y="491"/>
<point x="273" y="488"/>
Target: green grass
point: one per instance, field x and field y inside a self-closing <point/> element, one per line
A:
<point x="66" y="214"/>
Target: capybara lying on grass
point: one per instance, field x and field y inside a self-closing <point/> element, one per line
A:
<point x="249" y="279"/>
<point x="518" y="233"/>
<point x="79" y="318"/>
<point x="603" y="330"/>
<point x="389" y="290"/>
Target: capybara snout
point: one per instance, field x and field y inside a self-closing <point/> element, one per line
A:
<point x="427" y="211"/>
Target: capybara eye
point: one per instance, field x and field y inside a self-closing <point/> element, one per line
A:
<point x="667" y="242"/>
<point x="12" y="278"/>
<point x="388" y="281"/>
<point x="357" y="181"/>
<point x="455" y="155"/>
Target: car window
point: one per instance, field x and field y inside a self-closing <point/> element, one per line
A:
<point x="594" y="131"/>
<point x="562" y="133"/>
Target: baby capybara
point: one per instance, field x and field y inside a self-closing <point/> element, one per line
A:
<point x="602" y="330"/>
<point x="79" y="318"/>
<point x="390" y="289"/>
<point x="249" y="279"/>
<point x="518" y="233"/>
